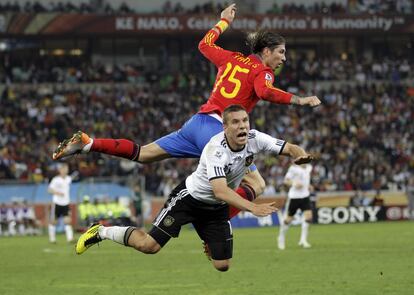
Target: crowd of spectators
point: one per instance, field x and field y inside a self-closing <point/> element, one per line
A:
<point x="362" y="133"/>
<point x="211" y="7"/>
<point x="353" y="6"/>
<point x="65" y="7"/>
<point x="319" y="7"/>
<point x="300" y="68"/>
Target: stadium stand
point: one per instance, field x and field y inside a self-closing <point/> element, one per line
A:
<point x="214" y="7"/>
<point x="342" y="131"/>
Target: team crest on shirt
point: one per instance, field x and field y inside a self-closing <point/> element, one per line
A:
<point x="218" y="154"/>
<point x="227" y="168"/>
<point x="268" y="77"/>
<point x="169" y="220"/>
<point x="249" y="161"/>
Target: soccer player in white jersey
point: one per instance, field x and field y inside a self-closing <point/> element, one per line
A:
<point x="203" y="199"/>
<point x="298" y="178"/>
<point x="59" y="187"/>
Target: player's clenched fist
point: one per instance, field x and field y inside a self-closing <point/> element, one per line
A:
<point x="312" y="101"/>
<point x="262" y="210"/>
<point x="229" y="13"/>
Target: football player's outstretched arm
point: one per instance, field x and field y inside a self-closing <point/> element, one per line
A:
<point x="207" y="45"/>
<point x="266" y="91"/>
<point x="297" y="153"/>
<point x="226" y="194"/>
<point x="312" y="101"/>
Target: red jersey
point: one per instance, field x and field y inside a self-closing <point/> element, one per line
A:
<point x="241" y="79"/>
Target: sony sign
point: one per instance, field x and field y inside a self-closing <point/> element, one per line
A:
<point x="348" y="214"/>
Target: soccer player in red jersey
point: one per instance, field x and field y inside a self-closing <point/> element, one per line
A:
<point x="242" y="80"/>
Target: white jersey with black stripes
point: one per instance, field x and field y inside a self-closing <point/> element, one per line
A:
<point x="219" y="160"/>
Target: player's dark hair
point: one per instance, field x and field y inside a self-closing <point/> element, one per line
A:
<point x="259" y="40"/>
<point x="231" y="109"/>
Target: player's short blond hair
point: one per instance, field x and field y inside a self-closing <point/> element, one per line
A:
<point x="231" y="109"/>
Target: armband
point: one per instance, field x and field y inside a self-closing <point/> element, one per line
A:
<point x="222" y="25"/>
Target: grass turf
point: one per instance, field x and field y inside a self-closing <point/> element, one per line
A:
<point x="375" y="258"/>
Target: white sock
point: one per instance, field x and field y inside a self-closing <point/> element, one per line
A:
<point x="69" y="232"/>
<point x="114" y="233"/>
<point x="52" y="233"/>
<point x="87" y="147"/>
<point x="304" y="232"/>
<point x="283" y="229"/>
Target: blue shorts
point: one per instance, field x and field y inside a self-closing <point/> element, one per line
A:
<point x="190" y="140"/>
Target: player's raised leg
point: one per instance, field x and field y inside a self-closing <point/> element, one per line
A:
<point x="80" y="142"/>
<point x="124" y="235"/>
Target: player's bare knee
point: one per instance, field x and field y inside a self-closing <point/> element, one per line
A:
<point x="67" y="220"/>
<point x="144" y="243"/>
<point x="288" y="220"/>
<point x="308" y="216"/>
<point x="223" y="268"/>
<point x="221" y="265"/>
<point x="308" y="220"/>
<point x="148" y="249"/>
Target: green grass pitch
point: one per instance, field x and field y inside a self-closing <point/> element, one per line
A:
<point x="345" y="259"/>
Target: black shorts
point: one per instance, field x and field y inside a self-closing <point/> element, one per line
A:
<point x="210" y="221"/>
<point x="59" y="211"/>
<point x="295" y="204"/>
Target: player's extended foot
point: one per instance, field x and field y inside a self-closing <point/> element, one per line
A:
<point x="281" y="243"/>
<point x="305" y="244"/>
<point x="71" y="146"/>
<point x="88" y="238"/>
<point x="207" y="250"/>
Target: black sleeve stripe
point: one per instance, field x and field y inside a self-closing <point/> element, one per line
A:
<point x="283" y="146"/>
<point x="280" y="142"/>
<point x="219" y="171"/>
<point x="210" y="179"/>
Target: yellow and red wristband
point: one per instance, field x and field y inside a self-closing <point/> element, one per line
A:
<point x="222" y="25"/>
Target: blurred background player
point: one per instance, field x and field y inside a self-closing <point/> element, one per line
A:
<point x="14" y="219"/>
<point x="3" y="220"/>
<point x="298" y="178"/>
<point x="28" y="217"/>
<point x="240" y="80"/>
<point x="59" y="187"/>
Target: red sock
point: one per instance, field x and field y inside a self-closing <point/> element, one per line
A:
<point x="123" y="148"/>
<point x="246" y="192"/>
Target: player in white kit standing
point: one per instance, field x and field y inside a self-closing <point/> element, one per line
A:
<point x="59" y="187"/>
<point x="298" y="178"/>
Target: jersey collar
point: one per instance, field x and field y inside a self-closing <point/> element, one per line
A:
<point x="234" y="151"/>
